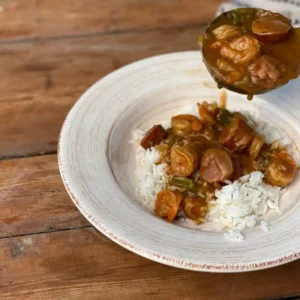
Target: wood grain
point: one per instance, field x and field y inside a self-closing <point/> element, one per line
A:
<point x="51" y="51"/>
<point x="41" y="81"/>
<point x="40" y="19"/>
<point x="83" y="264"/>
<point x="33" y="198"/>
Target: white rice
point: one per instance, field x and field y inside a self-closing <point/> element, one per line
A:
<point x="150" y="177"/>
<point x="264" y="226"/>
<point x="243" y="203"/>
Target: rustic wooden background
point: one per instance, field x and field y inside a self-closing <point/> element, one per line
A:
<point x="51" y="51"/>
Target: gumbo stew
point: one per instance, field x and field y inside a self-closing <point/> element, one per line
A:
<point x="251" y="50"/>
<point x="203" y="153"/>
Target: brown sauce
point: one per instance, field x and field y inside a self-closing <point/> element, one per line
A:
<point x="204" y="152"/>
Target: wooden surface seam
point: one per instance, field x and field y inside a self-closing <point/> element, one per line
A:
<point x="20" y="156"/>
<point x="32" y="18"/>
<point x="98" y="34"/>
<point x="45" y="232"/>
<point x="83" y="263"/>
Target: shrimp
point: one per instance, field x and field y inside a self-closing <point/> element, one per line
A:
<point x="195" y="208"/>
<point x="225" y="32"/>
<point x="265" y="71"/>
<point x="256" y="145"/>
<point x="167" y="204"/>
<point x="184" y="160"/>
<point x="233" y="73"/>
<point x="217" y="44"/>
<point x="206" y="115"/>
<point x="241" y="50"/>
<point x="224" y="65"/>
<point x="183" y="125"/>
<point x="281" y="169"/>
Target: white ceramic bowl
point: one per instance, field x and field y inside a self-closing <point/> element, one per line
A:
<point x="96" y="162"/>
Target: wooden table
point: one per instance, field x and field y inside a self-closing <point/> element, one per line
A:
<point x="51" y="51"/>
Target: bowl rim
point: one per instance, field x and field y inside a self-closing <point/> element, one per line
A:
<point x="137" y="249"/>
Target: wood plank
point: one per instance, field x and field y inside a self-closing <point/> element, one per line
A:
<point x="41" y="81"/>
<point x="33" y="198"/>
<point x="83" y="264"/>
<point x="39" y="19"/>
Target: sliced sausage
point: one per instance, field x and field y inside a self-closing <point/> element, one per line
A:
<point x="237" y="170"/>
<point x="271" y="28"/>
<point x="216" y="165"/>
<point x="247" y="164"/>
<point x="153" y="136"/>
<point x="266" y="71"/>
<point x="238" y="135"/>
